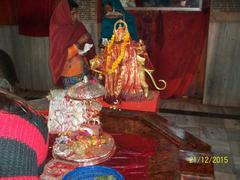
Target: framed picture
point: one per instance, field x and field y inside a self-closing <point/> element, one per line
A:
<point x="168" y="5"/>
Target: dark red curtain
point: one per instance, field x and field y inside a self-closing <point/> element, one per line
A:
<point x="8" y="12"/>
<point x="175" y="42"/>
<point x="34" y="16"/>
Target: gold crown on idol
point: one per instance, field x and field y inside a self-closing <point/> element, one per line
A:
<point x="120" y="22"/>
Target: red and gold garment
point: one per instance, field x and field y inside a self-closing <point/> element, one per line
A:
<point x="124" y="82"/>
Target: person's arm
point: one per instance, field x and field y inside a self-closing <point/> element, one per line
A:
<point x="73" y="50"/>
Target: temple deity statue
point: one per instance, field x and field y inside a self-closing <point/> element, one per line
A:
<point x="122" y="62"/>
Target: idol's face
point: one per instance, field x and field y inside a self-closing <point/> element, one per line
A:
<point x="120" y="33"/>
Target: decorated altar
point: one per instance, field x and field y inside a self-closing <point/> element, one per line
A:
<point x="147" y="147"/>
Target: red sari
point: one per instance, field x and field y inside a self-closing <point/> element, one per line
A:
<point x="63" y="34"/>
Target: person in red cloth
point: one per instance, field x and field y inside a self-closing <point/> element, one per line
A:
<point x="70" y="45"/>
<point x="23" y="139"/>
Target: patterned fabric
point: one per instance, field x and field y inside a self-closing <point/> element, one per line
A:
<point x="70" y="81"/>
<point x="64" y="114"/>
<point x="124" y="83"/>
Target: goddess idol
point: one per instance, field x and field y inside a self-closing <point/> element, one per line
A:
<point x="122" y="62"/>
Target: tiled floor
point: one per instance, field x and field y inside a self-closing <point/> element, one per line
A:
<point x="222" y="134"/>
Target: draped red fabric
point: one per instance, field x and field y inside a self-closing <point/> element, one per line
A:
<point x="8" y="12"/>
<point x="63" y="34"/>
<point x="175" y="41"/>
<point x="34" y="16"/>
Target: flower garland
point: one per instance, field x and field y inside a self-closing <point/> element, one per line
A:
<point x="120" y="57"/>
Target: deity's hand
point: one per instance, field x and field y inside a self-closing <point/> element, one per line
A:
<point x="95" y="64"/>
